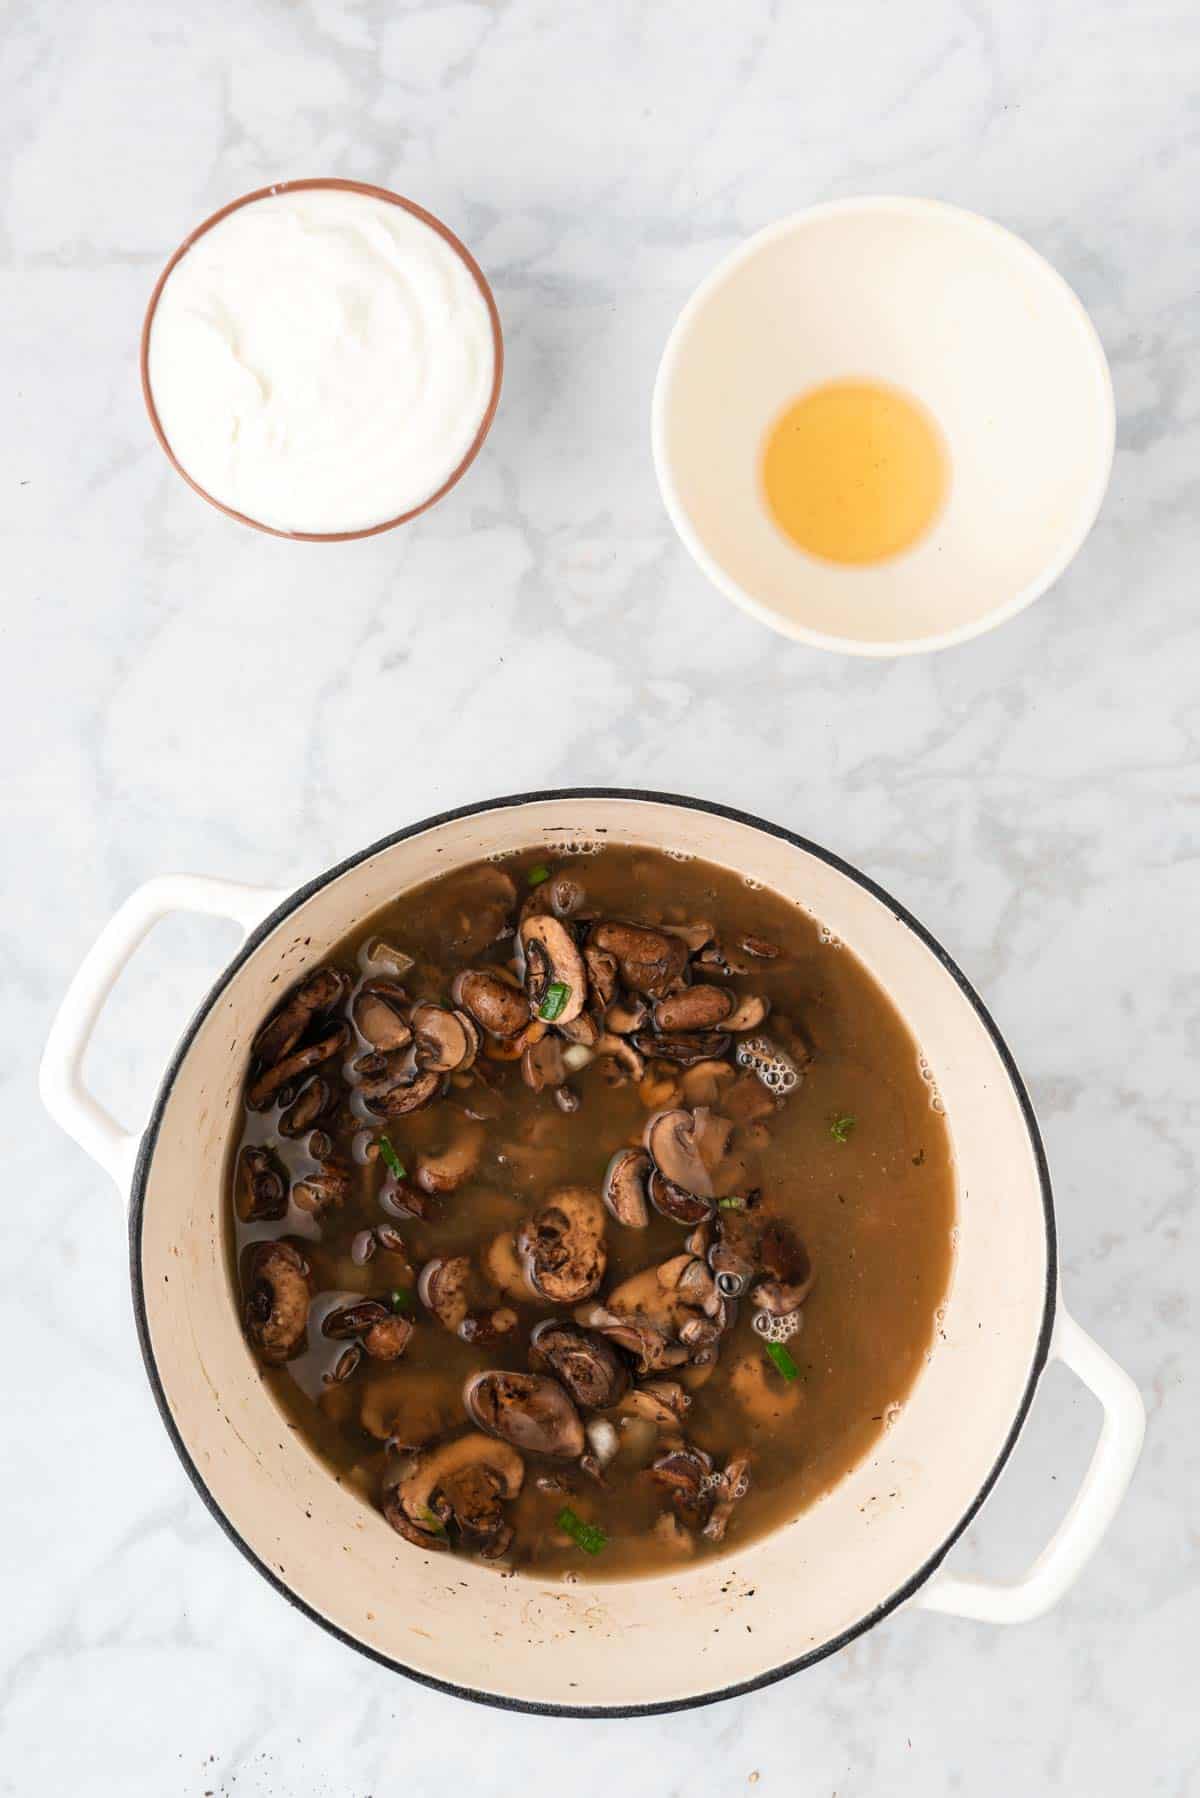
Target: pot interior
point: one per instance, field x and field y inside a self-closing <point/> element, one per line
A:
<point x="680" y="1635"/>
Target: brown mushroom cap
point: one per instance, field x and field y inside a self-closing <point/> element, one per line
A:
<point x="317" y="993"/>
<point x="551" y="958"/>
<point x="442" y="1288"/>
<point x="405" y="1095"/>
<point x="651" y="961"/>
<point x="323" y="1190"/>
<point x="673" y="1202"/>
<point x="267" y="1083"/>
<point x="689" y="1147"/>
<point x="277" y="1295"/>
<point x="306" y="1107"/>
<point x="587" y="1365"/>
<point x="531" y="1411"/>
<point x="625" y="1188"/>
<point x="388" y="1337"/>
<point x="542" y="1063"/>
<point x="380" y="1013"/>
<point x="501" y="1010"/>
<point x="260" y="1187"/>
<point x="469" y="1479"/>
<point x="563" y="1246"/>
<point x="444" y="1040"/>
<point x="695" y="1008"/>
<point x="446" y="1172"/>
<point x="685" y="1048"/>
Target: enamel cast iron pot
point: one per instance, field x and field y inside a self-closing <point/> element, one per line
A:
<point x="875" y="1542"/>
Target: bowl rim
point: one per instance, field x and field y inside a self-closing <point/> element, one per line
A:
<point x="378" y="193"/>
<point x="500" y="1701"/>
<point x="914" y="206"/>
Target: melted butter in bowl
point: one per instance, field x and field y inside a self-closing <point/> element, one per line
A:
<point x="322" y="360"/>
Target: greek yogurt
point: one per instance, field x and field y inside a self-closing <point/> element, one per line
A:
<point x="321" y="361"/>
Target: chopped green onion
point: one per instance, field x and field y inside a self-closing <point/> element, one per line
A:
<point x="400" y="1299"/>
<point x="782" y="1360"/>
<point x="537" y="874"/>
<point x="395" y="1165"/>
<point x="731" y="1204"/>
<point x="553" y="1005"/>
<point x="589" y="1536"/>
<point x="433" y="1522"/>
<point x="841" y="1127"/>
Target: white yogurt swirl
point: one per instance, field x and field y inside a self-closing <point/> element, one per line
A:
<point x="321" y="360"/>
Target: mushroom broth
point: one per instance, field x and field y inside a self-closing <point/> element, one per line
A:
<point x="592" y="1211"/>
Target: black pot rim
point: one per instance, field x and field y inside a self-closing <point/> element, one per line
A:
<point x="146" y="1155"/>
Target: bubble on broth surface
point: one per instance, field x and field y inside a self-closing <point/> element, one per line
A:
<point x="891" y="1415"/>
<point x="754" y="885"/>
<point x="778" y="1329"/>
<point x="679" y="855"/>
<point x="575" y="846"/>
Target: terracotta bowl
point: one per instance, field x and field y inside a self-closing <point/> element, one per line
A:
<point x="460" y="249"/>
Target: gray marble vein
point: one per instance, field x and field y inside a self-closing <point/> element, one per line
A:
<point x="179" y="693"/>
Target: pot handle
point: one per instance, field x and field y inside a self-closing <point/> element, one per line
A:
<point x="60" y="1078"/>
<point x="1092" y="1510"/>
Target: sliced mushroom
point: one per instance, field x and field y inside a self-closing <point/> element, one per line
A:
<point x="323" y="1190"/>
<point x="446" y="1172"/>
<point x="683" y="1473"/>
<point x="623" y="1053"/>
<point x="553" y="961"/>
<point x="694" y="935"/>
<point x="467" y="1480"/>
<point x="625" y="1188"/>
<point x="748" y="1014"/>
<point x="652" y="1347"/>
<point x="380" y="1012"/>
<point x="500" y="1009"/>
<point x="445" y="1040"/>
<point x="651" y="961"/>
<point x="291" y="1066"/>
<point x="486" y="902"/>
<point x="442" y="1289"/>
<point x="410" y="1406"/>
<point x="625" y="1015"/>
<point x="688" y="1148"/>
<point x="788" y="1269"/>
<point x="673" y="1202"/>
<point x="260" y="1187"/>
<point x="695" y="1008"/>
<point x="542" y="1064"/>
<point x="305" y="1108"/>
<point x="563" y="1246"/>
<point x="759" y="947"/>
<point x="277" y="1295"/>
<point x="350" y="1321"/>
<point x="531" y="1411"/>
<point x="583" y="1030"/>
<point x="317" y="993"/>
<point x="602" y="969"/>
<point x="707" y="1082"/>
<point x="583" y="1361"/>
<point x="764" y="1397"/>
<point x="661" y="1402"/>
<point x="732" y="1486"/>
<point x="506" y="1270"/>
<point x="684" y="1049"/>
<point x="406" y="1095"/>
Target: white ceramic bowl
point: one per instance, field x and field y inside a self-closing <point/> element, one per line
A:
<point x="625" y="1646"/>
<point x="940" y="302"/>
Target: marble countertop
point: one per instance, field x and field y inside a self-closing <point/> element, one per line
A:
<point x="183" y="694"/>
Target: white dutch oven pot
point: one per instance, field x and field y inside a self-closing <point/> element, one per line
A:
<point x="873" y="1543"/>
